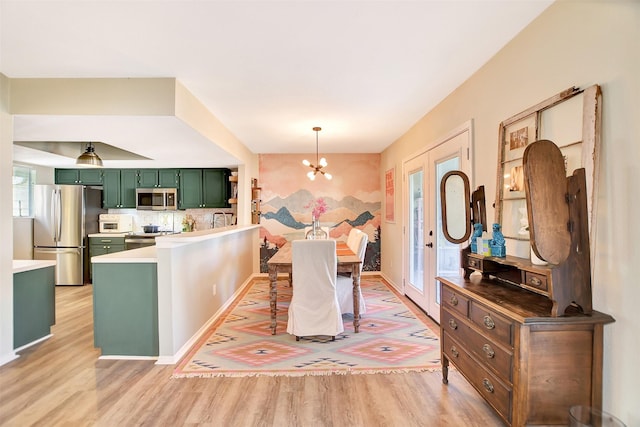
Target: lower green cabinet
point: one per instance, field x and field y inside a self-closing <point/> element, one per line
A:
<point x="105" y="245"/>
<point x="34" y="305"/>
<point x="125" y="309"/>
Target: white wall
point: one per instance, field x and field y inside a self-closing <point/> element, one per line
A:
<point x="6" y="225"/>
<point x="570" y="44"/>
<point x="22" y="238"/>
<point x="186" y="277"/>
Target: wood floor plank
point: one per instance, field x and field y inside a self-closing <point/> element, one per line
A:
<point x="61" y="382"/>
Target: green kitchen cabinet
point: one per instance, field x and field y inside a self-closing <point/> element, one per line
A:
<point x="125" y="309"/>
<point x="105" y="245"/>
<point x="78" y="176"/>
<point x="158" y="178"/>
<point x="34" y="307"/>
<point x="119" y="188"/>
<point x="204" y="188"/>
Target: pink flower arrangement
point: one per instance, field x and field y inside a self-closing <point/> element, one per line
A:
<point x="318" y="207"/>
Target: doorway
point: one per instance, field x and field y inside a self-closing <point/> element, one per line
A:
<point x="427" y="253"/>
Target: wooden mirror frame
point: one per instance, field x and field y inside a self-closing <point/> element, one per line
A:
<point x="589" y="152"/>
<point x="443" y="205"/>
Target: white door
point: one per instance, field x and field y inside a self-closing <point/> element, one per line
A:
<point x="414" y="210"/>
<point x="428" y="253"/>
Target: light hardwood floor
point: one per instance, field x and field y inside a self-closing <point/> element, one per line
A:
<point x="61" y="382"/>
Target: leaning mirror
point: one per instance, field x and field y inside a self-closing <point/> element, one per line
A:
<point x="456" y="215"/>
<point x="571" y="119"/>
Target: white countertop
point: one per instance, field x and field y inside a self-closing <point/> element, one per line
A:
<point x="196" y="236"/>
<point x="20" y="265"/>
<point x="109" y="235"/>
<point x="145" y="254"/>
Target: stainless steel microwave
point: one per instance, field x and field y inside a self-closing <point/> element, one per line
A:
<point x="157" y="199"/>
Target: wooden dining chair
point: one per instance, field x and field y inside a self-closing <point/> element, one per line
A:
<point x="314" y="308"/>
<point x="357" y="242"/>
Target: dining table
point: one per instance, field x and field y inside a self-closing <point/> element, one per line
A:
<point x="281" y="262"/>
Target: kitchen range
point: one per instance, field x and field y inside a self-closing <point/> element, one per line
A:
<point x="122" y="224"/>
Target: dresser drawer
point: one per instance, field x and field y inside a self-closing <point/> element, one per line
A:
<point x="488" y="385"/>
<point x="454" y="301"/>
<point x="494" y="326"/>
<point x="475" y="263"/>
<point x="535" y="280"/>
<point x="486" y="351"/>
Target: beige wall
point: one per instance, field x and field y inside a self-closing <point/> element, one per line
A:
<point x="6" y="225"/>
<point x="570" y="44"/>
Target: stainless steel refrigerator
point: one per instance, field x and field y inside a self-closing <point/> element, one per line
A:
<point x="64" y="216"/>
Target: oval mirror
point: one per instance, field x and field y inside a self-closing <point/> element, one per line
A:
<point x="454" y="202"/>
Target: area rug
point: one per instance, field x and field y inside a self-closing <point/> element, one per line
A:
<point x="393" y="338"/>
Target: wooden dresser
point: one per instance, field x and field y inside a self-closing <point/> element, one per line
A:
<point x="530" y="366"/>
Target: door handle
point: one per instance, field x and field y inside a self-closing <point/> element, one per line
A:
<point x="429" y="245"/>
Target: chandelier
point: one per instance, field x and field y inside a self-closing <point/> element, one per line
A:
<point x="319" y="163"/>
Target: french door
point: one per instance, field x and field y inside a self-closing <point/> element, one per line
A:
<point x="427" y="253"/>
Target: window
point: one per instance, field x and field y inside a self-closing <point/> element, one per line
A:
<point x="23" y="180"/>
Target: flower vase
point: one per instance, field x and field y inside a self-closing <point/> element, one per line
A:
<point x="316" y="231"/>
<point x="535" y="259"/>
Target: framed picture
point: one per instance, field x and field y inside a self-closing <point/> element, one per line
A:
<point x="390" y="195"/>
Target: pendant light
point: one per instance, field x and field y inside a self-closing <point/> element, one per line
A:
<point x="89" y="158"/>
<point x="319" y="163"/>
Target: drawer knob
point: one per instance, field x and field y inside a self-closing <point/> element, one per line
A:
<point x="453" y="324"/>
<point x="488" y="351"/>
<point x="535" y="281"/>
<point x="454" y="352"/>
<point x="488" y="322"/>
<point x="487" y="385"/>
<point x="453" y="300"/>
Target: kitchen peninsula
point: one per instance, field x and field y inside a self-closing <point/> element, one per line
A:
<point x="155" y="301"/>
<point x="34" y="308"/>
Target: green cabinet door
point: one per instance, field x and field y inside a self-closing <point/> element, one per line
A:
<point x="215" y="188"/>
<point x="168" y="178"/>
<point x="78" y="176"/>
<point x="90" y="176"/>
<point x="34" y="307"/>
<point x="111" y="188"/>
<point x="119" y="188"/>
<point x="190" y="190"/>
<point x="128" y="184"/>
<point x="158" y="178"/>
<point x="204" y="188"/>
<point x="66" y="176"/>
<point x="147" y="178"/>
<point x="105" y="245"/>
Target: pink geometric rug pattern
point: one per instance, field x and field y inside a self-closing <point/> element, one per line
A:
<point x="393" y="337"/>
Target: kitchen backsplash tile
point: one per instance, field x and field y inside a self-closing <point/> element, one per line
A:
<point x="172" y="221"/>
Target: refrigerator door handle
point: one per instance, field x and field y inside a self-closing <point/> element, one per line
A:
<point x="58" y="215"/>
<point x="57" y="250"/>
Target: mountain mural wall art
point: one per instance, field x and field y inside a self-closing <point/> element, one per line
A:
<point x="352" y="198"/>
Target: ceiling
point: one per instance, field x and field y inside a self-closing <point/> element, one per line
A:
<point x="365" y="71"/>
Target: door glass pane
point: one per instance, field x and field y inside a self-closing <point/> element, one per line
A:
<point x="416" y="233"/>
<point x="448" y="255"/>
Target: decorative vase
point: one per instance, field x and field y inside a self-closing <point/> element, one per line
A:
<point x="316" y="231"/>
<point x="535" y="260"/>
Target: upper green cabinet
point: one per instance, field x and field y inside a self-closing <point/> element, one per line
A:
<point x="78" y="176"/>
<point x="119" y="188"/>
<point x="158" y="178"/>
<point x="203" y="188"/>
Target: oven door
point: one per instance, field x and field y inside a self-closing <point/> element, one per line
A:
<point x="138" y="242"/>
